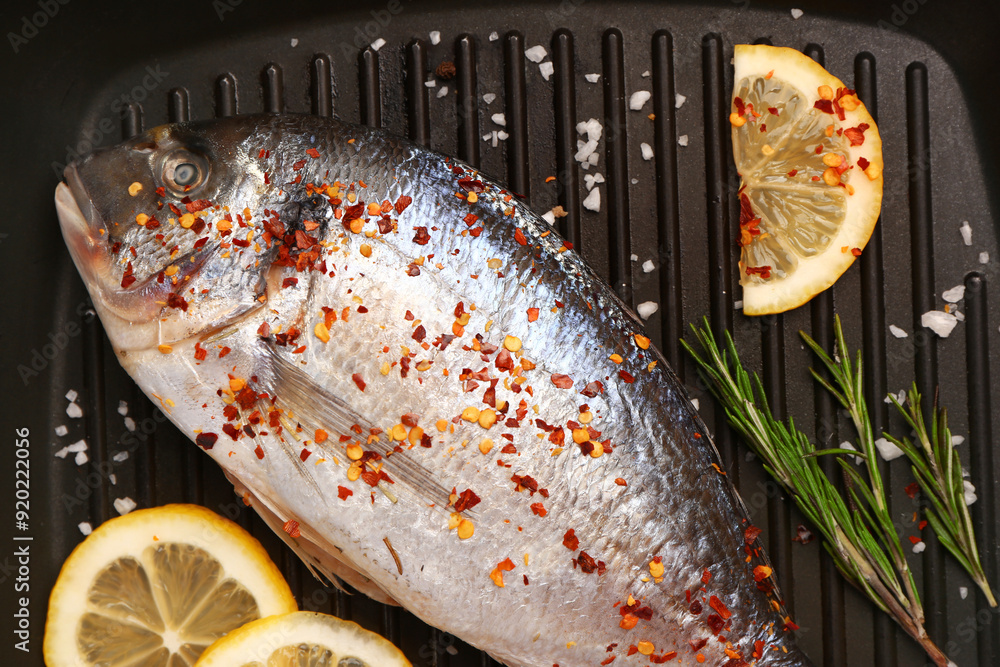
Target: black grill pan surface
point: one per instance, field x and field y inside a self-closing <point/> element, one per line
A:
<point x="78" y="75"/>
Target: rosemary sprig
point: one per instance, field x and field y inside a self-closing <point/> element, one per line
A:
<point x="863" y="543"/>
<point x="938" y="470"/>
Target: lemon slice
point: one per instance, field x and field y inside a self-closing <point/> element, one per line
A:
<point x="810" y="162"/>
<point x="302" y="639"/>
<point x="156" y="587"/>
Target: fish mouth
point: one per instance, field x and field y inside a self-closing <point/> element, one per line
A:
<point x="129" y="316"/>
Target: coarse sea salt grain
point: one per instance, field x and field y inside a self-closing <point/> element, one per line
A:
<point x="294" y="42"/>
<point x="647" y="151"/>
<point x="61" y="454"/>
<point x="435" y="36"/>
<point x="592" y="78"/>
<point x="78" y="446"/>
<point x="638" y="99"/>
<point x="122" y="408"/>
<point x="957" y="440"/>
<point x="888" y="450"/>
<point x="645" y="74"/>
<point x="847" y="445"/>
<point x="963" y="592"/>
<point x="430" y="83"/>
<point x="536" y="54"/>
<point x="442" y="91"/>
<point x="593" y="158"/>
<point x="499" y="119"/>
<point x="695" y="403"/>
<point x="648" y="266"/>
<point x="124" y="505"/>
<point x="586" y="149"/>
<point x="71" y="395"/>
<point x="593" y="200"/>
<point x="966" y="231"/>
<point x="546" y="69"/>
<point x="74" y="411"/>
<point x="549" y="217"/>
<point x="900" y="397"/>
<point x="897" y="332"/>
<point x="970" y="492"/>
<point x="959" y="315"/>
<point x="984" y="258"/>
<point x="592" y="128"/>
<point x="939" y="322"/>
<point x="679" y="100"/>
<point x="81" y="458"/>
<point x="682" y="140"/>
<point x="378" y="44"/>
<point x="919" y="547"/>
<point x="797" y="14"/>
<point x="501" y="135"/>
<point x="647" y="308"/>
<point x="494" y="36"/>
<point x="634" y="257"/>
<point x="738" y="305"/>
<point x="85" y="528"/>
<point x="954" y="295"/>
<point x="61" y="430"/>
<point x="489" y="97"/>
<point x="119" y="457"/>
<point x="130" y="424"/>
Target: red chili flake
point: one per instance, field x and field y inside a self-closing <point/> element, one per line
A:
<point x="773" y="111"/>
<point x="199" y="352"/>
<point x="312" y="152"/>
<point x="862" y="164"/>
<point x="206" y="440"/>
<point x="539" y="509"/>
<point x="587" y="563"/>
<point x="470" y="219"/>
<point x="344" y="493"/>
<point x="289" y="282"/>
<point x="856" y="252"/>
<point x="197" y="205"/>
<point x="562" y="381"/>
<point x="751" y="534"/>
<point x="231" y="431"/>
<point x="758" y="649"/>
<point x="792" y="173"/>
<point x="519" y="237"/>
<point x="226" y="350"/>
<point x="177" y="301"/>
<point x="358" y="380"/>
<point x="606" y="661"/>
<point x="791" y="625"/>
<point x="466" y="500"/>
<point x="384" y="225"/>
<point x="412" y="270"/>
<point x="532" y="314"/>
<point x="470" y="185"/>
<point x="763" y="127"/>
<point x="763" y="271"/>
<point x="914" y="539"/>
<point x="740" y="106"/>
<point x="626" y="376"/>
<point x="856" y="135"/>
<point x="292" y="528"/>
<point x="706" y="576"/>
<point x="305" y="454"/>
<point x="421" y="237"/>
<point x="419" y="333"/>
<point x="922" y="525"/>
<point x="509" y="449"/>
<point x="570" y="540"/>
<point x="128" y="278"/>
<point x="593" y="389"/>
<point x="267" y="178"/>
<point x="715" y="623"/>
<point x="803" y="535"/>
<point x="259" y="452"/>
<point x="698" y="644"/>
<point x="695" y="607"/>
<point x="632" y="650"/>
<point x="716" y="604"/>
<point x="402" y="203"/>
<point x="826" y="106"/>
<point x="911" y="489"/>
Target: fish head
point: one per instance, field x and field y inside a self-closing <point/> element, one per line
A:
<point x="151" y="225"/>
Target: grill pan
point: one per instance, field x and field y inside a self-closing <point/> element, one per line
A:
<point x="78" y="75"/>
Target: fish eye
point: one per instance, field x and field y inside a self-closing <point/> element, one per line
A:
<point x="183" y="172"/>
<point x="186" y="174"/>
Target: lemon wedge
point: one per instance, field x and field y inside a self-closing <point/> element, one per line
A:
<point x="157" y="587"/>
<point x="810" y="162"/>
<point x="299" y="639"/>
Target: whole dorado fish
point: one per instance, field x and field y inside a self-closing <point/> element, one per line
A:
<point x="423" y="389"/>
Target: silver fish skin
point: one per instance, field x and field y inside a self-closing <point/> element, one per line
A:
<point x="325" y="282"/>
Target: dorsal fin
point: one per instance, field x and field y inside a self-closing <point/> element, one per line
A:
<point x="316" y="407"/>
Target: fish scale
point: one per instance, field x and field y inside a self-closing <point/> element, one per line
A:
<point x="676" y="503"/>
